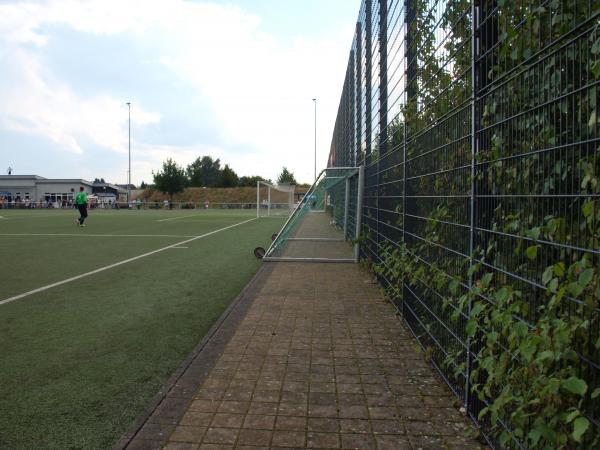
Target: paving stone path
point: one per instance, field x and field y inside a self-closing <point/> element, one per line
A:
<point x="312" y="357"/>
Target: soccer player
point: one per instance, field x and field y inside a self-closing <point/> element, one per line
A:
<point x="81" y="202"/>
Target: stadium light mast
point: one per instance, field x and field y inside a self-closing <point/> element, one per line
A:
<point x="315" y="102"/>
<point x="129" y="152"/>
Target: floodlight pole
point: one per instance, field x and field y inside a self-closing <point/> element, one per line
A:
<point x="315" y="102"/>
<point x="129" y="171"/>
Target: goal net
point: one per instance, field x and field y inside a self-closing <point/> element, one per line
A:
<point x="325" y="225"/>
<point x="274" y="200"/>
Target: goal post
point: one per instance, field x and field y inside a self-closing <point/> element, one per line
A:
<point x="274" y="200"/>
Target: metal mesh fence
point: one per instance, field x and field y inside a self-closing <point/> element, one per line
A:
<point x="478" y="128"/>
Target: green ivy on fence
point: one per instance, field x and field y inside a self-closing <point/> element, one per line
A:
<point x="539" y="164"/>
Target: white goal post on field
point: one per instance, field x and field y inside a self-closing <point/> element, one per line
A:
<point x="274" y="200"/>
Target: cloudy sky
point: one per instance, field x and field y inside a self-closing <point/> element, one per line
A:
<point x="233" y="79"/>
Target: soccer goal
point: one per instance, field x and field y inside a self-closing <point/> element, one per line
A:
<point x="274" y="200"/>
<point x="325" y="225"/>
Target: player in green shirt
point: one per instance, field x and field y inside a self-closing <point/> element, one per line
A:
<point x="81" y="203"/>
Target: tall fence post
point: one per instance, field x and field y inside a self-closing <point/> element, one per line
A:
<point x="410" y="75"/>
<point x="368" y="91"/>
<point x="359" y="204"/>
<point x="382" y="147"/>
<point x="358" y="84"/>
<point x="403" y="202"/>
<point x="383" y="78"/>
<point x="346" y="206"/>
<point x="352" y="110"/>
<point x="368" y="77"/>
<point x="474" y="44"/>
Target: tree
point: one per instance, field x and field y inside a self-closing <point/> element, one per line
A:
<point x="286" y="177"/>
<point x="249" y="181"/>
<point x="195" y="175"/>
<point x="204" y="171"/>
<point x="228" y="177"/>
<point x="171" y="180"/>
<point x="99" y="180"/>
<point x="143" y="185"/>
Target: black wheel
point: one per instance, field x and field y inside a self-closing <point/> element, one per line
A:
<point x="274" y="237"/>
<point x="259" y="252"/>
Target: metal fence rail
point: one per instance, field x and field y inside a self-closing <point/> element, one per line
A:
<point x="478" y="128"/>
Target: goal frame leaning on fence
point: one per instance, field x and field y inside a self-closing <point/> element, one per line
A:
<point x="317" y="200"/>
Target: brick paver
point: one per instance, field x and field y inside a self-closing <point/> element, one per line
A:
<point x="320" y="361"/>
<point x="317" y="225"/>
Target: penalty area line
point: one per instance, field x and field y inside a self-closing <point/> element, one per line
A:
<point x="102" y="269"/>
<point x="178" y="217"/>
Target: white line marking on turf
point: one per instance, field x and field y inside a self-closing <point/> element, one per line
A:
<point x="178" y="217"/>
<point x="97" y="235"/>
<point x="38" y="215"/>
<point x="102" y="269"/>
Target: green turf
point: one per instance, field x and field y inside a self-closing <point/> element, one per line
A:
<point x="80" y="361"/>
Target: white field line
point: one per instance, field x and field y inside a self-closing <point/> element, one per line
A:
<point x="178" y="217"/>
<point x="199" y="215"/>
<point x="73" y="213"/>
<point x="97" y="235"/>
<point x="102" y="269"/>
<point x="38" y="215"/>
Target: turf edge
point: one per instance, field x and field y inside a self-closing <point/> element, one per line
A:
<point x="243" y="301"/>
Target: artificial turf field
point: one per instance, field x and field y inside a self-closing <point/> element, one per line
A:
<point x="80" y="360"/>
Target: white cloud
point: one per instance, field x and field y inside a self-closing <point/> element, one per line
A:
<point x="31" y="101"/>
<point x="262" y="92"/>
<point x="259" y="88"/>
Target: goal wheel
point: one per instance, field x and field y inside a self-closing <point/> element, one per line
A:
<point x="274" y="236"/>
<point x="259" y="252"/>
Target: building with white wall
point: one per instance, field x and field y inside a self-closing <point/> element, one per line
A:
<point x="25" y="189"/>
